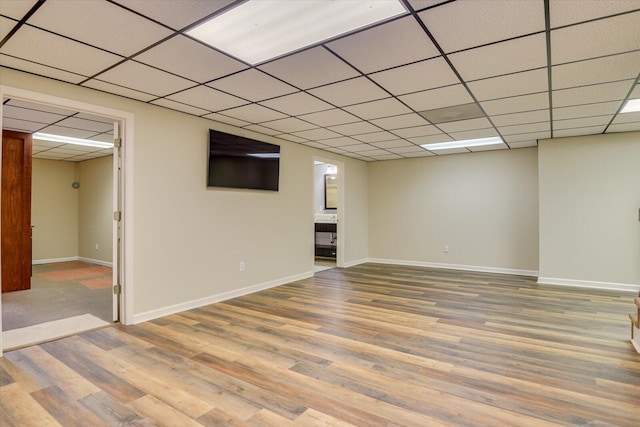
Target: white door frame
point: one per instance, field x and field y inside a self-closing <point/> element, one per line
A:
<point x="340" y="211"/>
<point x="125" y="123"/>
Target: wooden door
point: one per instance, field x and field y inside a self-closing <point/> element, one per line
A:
<point x="15" y="217"/>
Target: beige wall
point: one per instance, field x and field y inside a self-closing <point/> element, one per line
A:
<point x="483" y="206"/>
<point x="95" y="209"/>
<point x="589" y="201"/>
<point x="54" y="210"/>
<point x="188" y="240"/>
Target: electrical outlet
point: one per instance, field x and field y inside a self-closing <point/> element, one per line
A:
<point x="446" y="249"/>
<point x="243" y="266"/>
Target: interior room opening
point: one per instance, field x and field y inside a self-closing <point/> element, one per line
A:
<point x="325" y="207"/>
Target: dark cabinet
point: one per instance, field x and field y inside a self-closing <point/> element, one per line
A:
<point x="326" y="239"/>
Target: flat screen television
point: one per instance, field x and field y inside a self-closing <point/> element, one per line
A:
<point x="239" y="162"/>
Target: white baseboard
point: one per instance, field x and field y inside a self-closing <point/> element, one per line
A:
<point x="53" y="260"/>
<point x="636" y="340"/>
<point x="354" y="262"/>
<point x="95" y="261"/>
<point x="188" y="305"/>
<point x="589" y="284"/>
<point x="478" y="268"/>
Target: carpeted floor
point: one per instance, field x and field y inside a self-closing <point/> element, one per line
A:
<point x="59" y="291"/>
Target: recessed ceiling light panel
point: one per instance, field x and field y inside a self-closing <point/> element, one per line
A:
<point x="632" y="106"/>
<point x="69" y="140"/>
<point x="463" y="143"/>
<point x="259" y="30"/>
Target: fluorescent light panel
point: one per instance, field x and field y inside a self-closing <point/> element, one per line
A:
<point x="259" y="30"/>
<point x="463" y="143"/>
<point x="69" y="140"/>
<point x="632" y="106"/>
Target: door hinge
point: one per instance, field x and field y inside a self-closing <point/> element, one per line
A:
<point x="117" y="289"/>
<point x="117" y="142"/>
<point x="117" y="215"/>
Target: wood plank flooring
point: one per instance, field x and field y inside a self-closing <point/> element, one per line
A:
<point x="370" y="345"/>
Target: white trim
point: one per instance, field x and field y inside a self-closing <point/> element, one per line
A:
<point x="188" y="305"/>
<point x="95" y="261"/>
<point x="54" y="260"/>
<point x="589" y="284"/>
<point x="636" y="340"/>
<point x="478" y="268"/>
<point x="348" y="264"/>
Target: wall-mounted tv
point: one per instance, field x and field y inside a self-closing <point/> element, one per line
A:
<point x="239" y="162"/>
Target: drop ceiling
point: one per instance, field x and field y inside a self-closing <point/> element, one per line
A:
<point x="526" y="70"/>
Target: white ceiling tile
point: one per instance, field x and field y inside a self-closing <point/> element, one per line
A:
<point x="376" y="109"/>
<point x="422" y="75"/>
<point x="601" y="70"/>
<point x="290" y="124"/>
<point x="399" y="122"/>
<point x="16" y="8"/>
<point x="349" y="92"/>
<point x="21" y="125"/>
<point x="464" y="24"/>
<point x="207" y="98"/>
<point x="43" y="70"/>
<point x="355" y="128"/>
<point x="253" y="85"/>
<point x="375" y="137"/>
<point x="430" y="139"/>
<point x="6" y="25"/>
<point x="100" y="24"/>
<point x="262" y="129"/>
<point x="526" y="137"/>
<point x="254" y="113"/>
<point x="144" y="78"/>
<point x="624" y="127"/>
<point x="103" y="137"/>
<point x="636" y="92"/>
<point x="563" y="12"/>
<point x="437" y="98"/>
<point x="511" y="85"/>
<point x="598" y="38"/>
<point x="581" y="123"/>
<point x="394" y="143"/>
<point x="627" y="118"/>
<point x="413" y="132"/>
<point x="314" y="144"/>
<point x="597" y="109"/>
<point x="358" y="147"/>
<point x="178" y="106"/>
<point x="310" y="68"/>
<point x="332" y="117"/>
<point x="316" y="134"/>
<point x="507" y="57"/>
<point x="388" y="156"/>
<point x="45" y="145"/>
<point x="297" y="104"/>
<point x="590" y="94"/>
<point x="118" y="90"/>
<point x="93" y="117"/>
<point x="89" y="125"/>
<point x="473" y="134"/>
<point x="524" y="144"/>
<point x="45" y="48"/>
<point x="177" y="54"/>
<point x="374" y="153"/>
<point x="406" y="149"/>
<point x="463" y="125"/>
<point x="176" y="14"/>
<point x="292" y="138"/>
<point x="423" y="153"/>
<point x="593" y="130"/>
<point x="489" y="147"/>
<point x="521" y="118"/>
<point x="28" y="114"/>
<point x="516" y="104"/>
<point x="226" y="119"/>
<point x="340" y="142"/>
<point x="422" y="4"/>
<point x="525" y="128"/>
<point x="396" y="43"/>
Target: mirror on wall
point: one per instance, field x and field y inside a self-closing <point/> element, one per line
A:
<point x="330" y="191"/>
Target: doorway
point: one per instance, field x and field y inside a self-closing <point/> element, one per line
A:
<point x="327" y="210"/>
<point x="94" y="267"/>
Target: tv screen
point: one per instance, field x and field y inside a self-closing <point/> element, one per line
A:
<point x="239" y="162"/>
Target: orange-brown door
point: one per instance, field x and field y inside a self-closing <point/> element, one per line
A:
<point x="15" y="225"/>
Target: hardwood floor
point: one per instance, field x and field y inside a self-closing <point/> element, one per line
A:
<point x="370" y="345"/>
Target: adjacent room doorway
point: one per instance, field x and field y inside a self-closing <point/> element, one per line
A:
<point x="328" y="213"/>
